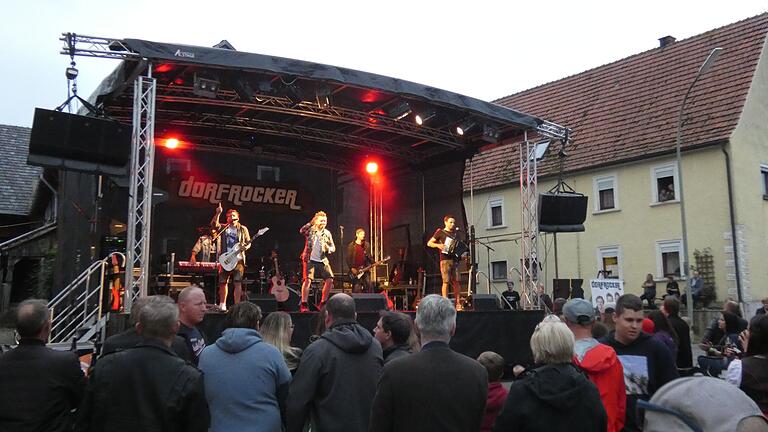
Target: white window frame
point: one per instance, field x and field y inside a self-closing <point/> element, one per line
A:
<point x="506" y="269"/>
<point x="496" y="202"/>
<point x="664" y="246"/>
<point x="655" y="170"/>
<point x="596" y="181"/>
<point x="763" y="175"/>
<point x="608" y="251"/>
<point x="262" y="169"/>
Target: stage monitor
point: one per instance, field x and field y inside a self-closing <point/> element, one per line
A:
<point x="565" y="212"/>
<point x="367" y="302"/>
<point x="79" y="143"/>
<point x="266" y="302"/>
<point x="485" y="302"/>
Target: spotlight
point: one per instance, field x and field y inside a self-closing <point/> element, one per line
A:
<point x="424" y="117"/>
<point x="464" y="127"/>
<point x="243" y="89"/>
<point x="206" y="87"/>
<point x="171" y="143"/>
<point x="371" y="167"/>
<point x="71" y="73"/>
<point x="400" y="110"/>
<point x="491" y="134"/>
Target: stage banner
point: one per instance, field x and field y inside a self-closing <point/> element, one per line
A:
<point x="605" y="292"/>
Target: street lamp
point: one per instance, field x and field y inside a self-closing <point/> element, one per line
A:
<point x="684" y="264"/>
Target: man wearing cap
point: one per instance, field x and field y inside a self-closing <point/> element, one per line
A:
<point x="598" y="361"/>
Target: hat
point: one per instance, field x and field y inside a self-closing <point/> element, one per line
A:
<point x="648" y="326"/>
<point x="579" y="311"/>
<point x="710" y="404"/>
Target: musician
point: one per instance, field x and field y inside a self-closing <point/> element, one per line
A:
<point x="314" y="257"/>
<point x="358" y="257"/>
<point x="443" y="239"/>
<point x="230" y="235"/>
<point x="205" y="246"/>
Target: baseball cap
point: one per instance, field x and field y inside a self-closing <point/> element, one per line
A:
<point x="703" y="403"/>
<point x="579" y="311"/>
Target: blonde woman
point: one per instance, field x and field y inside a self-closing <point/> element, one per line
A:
<point x="277" y="330"/>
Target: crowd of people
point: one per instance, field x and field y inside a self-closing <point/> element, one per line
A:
<point x="592" y="371"/>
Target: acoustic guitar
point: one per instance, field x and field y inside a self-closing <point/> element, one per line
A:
<point x="278" y="287"/>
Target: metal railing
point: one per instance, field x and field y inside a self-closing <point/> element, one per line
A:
<point x="80" y="304"/>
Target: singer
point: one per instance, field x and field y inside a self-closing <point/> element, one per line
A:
<point x="443" y="239"/>
<point x="228" y="237"/>
<point x="319" y="244"/>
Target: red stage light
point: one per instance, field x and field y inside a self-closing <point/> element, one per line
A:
<point x="178" y="81"/>
<point x="171" y="143"/>
<point x="372" y="167"/>
<point x="165" y="67"/>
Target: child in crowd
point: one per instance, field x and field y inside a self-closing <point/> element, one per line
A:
<point x="497" y="394"/>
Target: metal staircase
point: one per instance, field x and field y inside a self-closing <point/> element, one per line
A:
<point x="77" y="311"/>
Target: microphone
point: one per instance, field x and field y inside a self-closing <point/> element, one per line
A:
<point x="456" y="229"/>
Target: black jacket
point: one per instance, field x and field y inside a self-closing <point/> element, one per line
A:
<point x="336" y="380"/>
<point x="130" y="338"/>
<point x="684" y="355"/>
<point x="351" y="255"/>
<point x="144" y="388"/>
<point x="435" y="389"/>
<point x="554" y="397"/>
<point x="396" y="352"/>
<point x="38" y="388"/>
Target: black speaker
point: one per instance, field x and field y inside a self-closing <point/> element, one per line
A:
<point x="367" y="302"/>
<point x="561" y="288"/>
<point x="564" y="212"/>
<point x="576" y="290"/>
<point x="266" y="302"/>
<point x="79" y="143"/>
<point x="485" y="302"/>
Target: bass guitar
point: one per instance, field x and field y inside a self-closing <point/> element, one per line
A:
<point x="359" y="273"/>
<point x="229" y="259"/>
<point x="278" y="288"/>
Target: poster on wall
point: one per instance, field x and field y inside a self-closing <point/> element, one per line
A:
<point x="605" y="292"/>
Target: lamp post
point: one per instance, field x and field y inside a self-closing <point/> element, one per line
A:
<point x="713" y="55"/>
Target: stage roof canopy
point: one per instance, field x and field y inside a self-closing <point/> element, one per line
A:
<point x="220" y="99"/>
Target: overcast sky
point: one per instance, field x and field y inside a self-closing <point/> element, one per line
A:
<point x="485" y="49"/>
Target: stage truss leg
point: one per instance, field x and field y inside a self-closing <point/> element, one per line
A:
<point x="140" y="192"/>
<point x="376" y="216"/>
<point x="529" y="224"/>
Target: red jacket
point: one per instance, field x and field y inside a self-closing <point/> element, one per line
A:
<point x="604" y="369"/>
<point x="497" y="395"/>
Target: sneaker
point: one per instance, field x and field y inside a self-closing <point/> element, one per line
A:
<point x="223" y="307"/>
<point x="304" y="307"/>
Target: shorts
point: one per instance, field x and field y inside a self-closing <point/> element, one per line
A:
<point x="316" y="270"/>
<point x="449" y="270"/>
<point x="236" y="274"/>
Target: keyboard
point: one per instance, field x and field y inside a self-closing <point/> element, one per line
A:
<point x="196" y="267"/>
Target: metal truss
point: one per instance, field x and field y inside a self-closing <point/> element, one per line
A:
<point x="529" y="223"/>
<point x="94" y="46"/>
<point x="552" y="130"/>
<point x="140" y="192"/>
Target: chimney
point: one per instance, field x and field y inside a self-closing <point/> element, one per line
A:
<point x="666" y="40"/>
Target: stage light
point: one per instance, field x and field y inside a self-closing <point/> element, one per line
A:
<point x="171" y="143"/>
<point x="163" y="68"/>
<point x="371" y="167"/>
<point x="400" y="110"/>
<point x="491" y="134"/>
<point x="206" y="87"/>
<point x="464" y="127"/>
<point x="424" y="117"/>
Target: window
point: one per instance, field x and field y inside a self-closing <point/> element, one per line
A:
<point x="668" y="258"/>
<point x="606" y="193"/>
<point x="267" y="173"/>
<point x="496" y="213"/>
<point x="664" y="183"/>
<point x="499" y="270"/>
<point x="177" y="165"/>
<point x="764" y="176"/>
<point x="609" y="262"/>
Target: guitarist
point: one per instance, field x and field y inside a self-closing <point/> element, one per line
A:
<point x="229" y="236"/>
<point x="449" y="266"/>
<point x="358" y="257"/>
<point x="314" y="257"/>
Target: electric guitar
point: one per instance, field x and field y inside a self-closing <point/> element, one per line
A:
<point x="359" y="273"/>
<point x="228" y="260"/>
<point x="278" y="288"/>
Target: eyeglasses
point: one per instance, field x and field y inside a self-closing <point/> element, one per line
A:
<point x="643" y="406"/>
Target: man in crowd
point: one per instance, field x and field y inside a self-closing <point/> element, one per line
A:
<point x="246" y="379"/>
<point x="648" y="364"/>
<point x="146" y="387"/>
<point x="455" y="387"/>
<point x="598" y="361"/>
<point x="696" y="285"/>
<point x="39" y="387"/>
<point x="191" y="313"/>
<point x="671" y="308"/>
<point x="336" y="379"/>
<point x="393" y="332"/>
<point x="131" y="337"/>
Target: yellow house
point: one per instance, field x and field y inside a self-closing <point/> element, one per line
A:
<point x="624" y="118"/>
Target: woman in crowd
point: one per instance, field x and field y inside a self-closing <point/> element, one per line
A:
<point x="751" y="373"/>
<point x="555" y="395"/>
<point x="278" y="330"/>
<point x="715" y="360"/>
<point x="664" y="332"/>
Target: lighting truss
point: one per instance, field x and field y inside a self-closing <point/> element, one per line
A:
<point x="529" y="223"/>
<point x="94" y="46"/>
